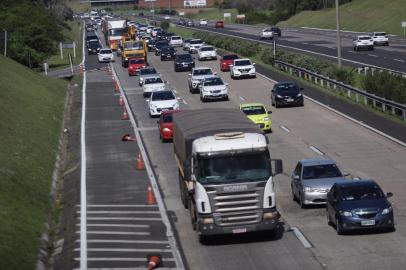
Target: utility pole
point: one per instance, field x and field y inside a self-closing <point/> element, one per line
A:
<point x="338" y="35"/>
<point x="5" y="42"/>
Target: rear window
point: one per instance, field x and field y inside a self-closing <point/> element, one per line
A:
<point x="196" y="41"/>
<point x="364" y="38"/>
<point x="230" y="57"/>
<point x="164" y="95"/>
<point x="167" y="118"/>
<point x="153" y="80"/>
<point x="148" y="71"/>
<point x="176" y="38"/>
<point x="382" y="34"/>
<point x="206" y="71"/>
<point x="137" y="61"/>
<point x="286" y="88"/>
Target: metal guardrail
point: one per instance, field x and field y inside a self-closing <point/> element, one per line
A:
<point x="361" y="96"/>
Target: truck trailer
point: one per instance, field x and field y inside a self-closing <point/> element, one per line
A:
<point x="113" y="31"/>
<point x="225" y="172"/>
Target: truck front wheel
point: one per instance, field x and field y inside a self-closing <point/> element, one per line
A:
<point x="193" y="214"/>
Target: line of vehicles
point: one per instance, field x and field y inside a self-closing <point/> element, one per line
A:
<point x="367" y="42"/>
<point x="226" y="173"/>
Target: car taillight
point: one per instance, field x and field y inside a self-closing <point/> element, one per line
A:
<point x="131" y="67"/>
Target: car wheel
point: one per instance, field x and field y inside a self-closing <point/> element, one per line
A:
<point x="339" y="228"/>
<point x="276" y="104"/>
<point x="226" y="98"/>
<point x="328" y="218"/>
<point x="301" y="202"/>
<point x="293" y="194"/>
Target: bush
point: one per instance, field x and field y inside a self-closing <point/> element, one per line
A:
<point x="164" y="25"/>
<point x="386" y="85"/>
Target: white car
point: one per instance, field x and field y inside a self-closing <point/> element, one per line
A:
<point x="213" y="87"/>
<point x="105" y="55"/>
<point x="147" y="72"/>
<point x="380" y="38"/>
<point x="186" y="43"/>
<point x="149" y="29"/>
<point x="195" y="44"/>
<point x="162" y="101"/>
<point x="363" y="42"/>
<point x="167" y="17"/>
<point x="203" y="22"/>
<point x="197" y="76"/>
<point x="242" y="68"/>
<point x="175" y="41"/>
<point x="152" y="84"/>
<point x="266" y="33"/>
<point x="207" y="52"/>
<point x="155" y="31"/>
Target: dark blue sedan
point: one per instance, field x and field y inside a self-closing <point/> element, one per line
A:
<point x="359" y="204"/>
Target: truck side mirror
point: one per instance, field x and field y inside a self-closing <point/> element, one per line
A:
<point x="277" y="166"/>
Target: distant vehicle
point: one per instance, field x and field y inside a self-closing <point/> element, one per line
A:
<point x="93" y="47"/>
<point x="165" y="125"/>
<point x="91" y="36"/>
<point x="105" y="55"/>
<point x="183" y="62"/>
<point x="207" y="53"/>
<point x="258" y="114"/>
<point x="286" y="94"/>
<point x="226" y="60"/>
<point x="175" y="41"/>
<point x="155" y="31"/>
<point x="167" y="17"/>
<point x="162" y="101"/>
<point x="134" y="65"/>
<point x="219" y="24"/>
<point x="266" y="33"/>
<point x="213" y="87"/>
<point x="380" y="38"/>
<point x="312" y="179"/>
<point x="168" y="53"/>
<point x="197" y="76"/>
<point x="363" y="42"/>
<point x="242" y="68"/>
<point x="181" y="21"/>
<point x="359" y="205"/>
<point x="202" y="22"/>
<point x="159" y="45"/>
<point x="152" y="84"/>
<point x="149" y="29"/>
<point x="190" y="23"/>
<point x="195" y="44"/>
<point x="186" y="43"/>
<point x="276" y="31"/>
<point x="147" y="72"/>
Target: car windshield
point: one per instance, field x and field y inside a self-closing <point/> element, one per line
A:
<point x="133" y="45"/>
<point x="153" y="80"/>
<point x="213" y="81"/>
<point x="234" y="168"/>
<point x="321" y="171"/>
<point x="361" y="192"/>
<point x="176" y="38"/>
<point x="206" y="49"/>
<point x="184" y="57"/>
<point x="105" y="51"/>
<point x="136" y="61"/>
<point x="167" y="118"/>
<point x="253" y="110"/>
<point x="267" y="30"/>
<point x="93" y="44"/>
<point x="161" y="44"/>
<point x="242" y="63"/>
<point x="196" y="41"/>
<point x="380" y="34"/>
<point x="230" y="57"/>
<point x="287" y="89"/>
<point x="146" y="71"/>
<point x="187" y="40"/>
<point x="205" y="71"/>
<point x="168" y="49"/>
<point x="364" y="38"/>
<point x="162" y="95"/>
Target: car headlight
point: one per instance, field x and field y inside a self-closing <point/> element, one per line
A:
<point x="152" y="106"/>
<point x="387" y="210"/>
<point x="345" y="213"/>
<point x="266" y="118"/>
<point x="308" y="189"/>
<point x="89" y="49"/>
<point x="299" y="95"/>
<point x="278" y="96"/>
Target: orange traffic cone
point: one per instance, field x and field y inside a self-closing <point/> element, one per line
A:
<point x="127" y="138"/>
<point x="116" y="87"/>
<point x="125" y="115"/>
<point x="121" y="101"/>
<point x="150" y="196"/>
<point x="140" y="163"/>
<point x="81" y="68"/>
<point x="154" y="261"/>
<point x="108" y="69"/>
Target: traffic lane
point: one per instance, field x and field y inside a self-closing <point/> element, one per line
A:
<point x="214" y="255"/>
<point x="356" y="149"/>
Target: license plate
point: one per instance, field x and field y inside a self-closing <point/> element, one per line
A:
<point x="241" y="230"/>
<point x="368" y="222"/>
<point x="289" y="99"/>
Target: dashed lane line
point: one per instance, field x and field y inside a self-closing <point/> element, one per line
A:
<point x="316" y="150"/>
<point x="158" y="250"/>
<point x="132" y="259"/>
<point x="124" y="218"/>
<point x="115" y="233"/>
<point x="119" y="205"/>
<point x="116" y="225"/>
<point x="121" y="212"/>
<point x="126" y="241"/>
<point x="284" y="128"/>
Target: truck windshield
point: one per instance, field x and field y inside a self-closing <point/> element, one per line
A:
<point x="237" y="168"/>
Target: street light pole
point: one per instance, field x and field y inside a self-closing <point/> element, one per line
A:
<point x="338" y="35"/>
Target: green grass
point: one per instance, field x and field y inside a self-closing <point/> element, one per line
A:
<point x="73" y="34"/>
<point x="78" y="6"/>
<point x="183" y="32"/>
<point x="214" y="14"/>
<point x="31" y="111"/>
<point x="359" y="15"/>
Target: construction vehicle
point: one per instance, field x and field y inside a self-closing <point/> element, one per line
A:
<point x="113" y="31"/>
<point x="133" y="49"/>
<point x="225" y="172"/>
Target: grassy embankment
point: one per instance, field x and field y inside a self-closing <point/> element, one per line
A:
<point x="360" y="15"/>
<point x="31" y="112"/>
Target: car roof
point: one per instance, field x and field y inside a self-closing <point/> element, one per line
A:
<point x="354" y="183"/>
<point x="363" y="36"/>
<point x="316" y="161"/>
<point x="197" y="68"/>
<point x="243" y="105"/>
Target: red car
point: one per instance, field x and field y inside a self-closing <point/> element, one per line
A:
<point x="226" y="60"/>
<point x="219" y="24"/>
<point x="165" y="125"/>
<point x="134" y="65"/>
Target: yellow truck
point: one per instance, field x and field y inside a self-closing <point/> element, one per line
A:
<point x="133" y="49"/>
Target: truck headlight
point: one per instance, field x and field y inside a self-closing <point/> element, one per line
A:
<point x="387" y="210"/>
<point x="207" y="220"/>
<point x="271" y="215"/>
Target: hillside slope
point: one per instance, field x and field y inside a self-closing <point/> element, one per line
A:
<point x="358" y="15"/>
<point x="31" y="113"/>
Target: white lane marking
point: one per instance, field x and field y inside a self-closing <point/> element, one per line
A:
<point x="316" y="150"/>
<point x="301" y="237"/>
<point x="242" y="98"/>
<point x="305" y="43"/>
<point x="131" y="268"/>
<point x="116" y="233"/>
<point x="121" y="212"/>
<point x="116" y="225"/>
<point x="399" y="60"/>
<point x="83" y="199"/>
<point x="123" y="218"/>
<point x="373" y="55"/>
<point x="127" y="241"/>
<point x="127" y="260"/>
<point x="118" y="205"/>
<point x="147" y="128"/>
<point x="154" y="183"/>
<point x="284" y="128"/>
<point x="127" y="250"/>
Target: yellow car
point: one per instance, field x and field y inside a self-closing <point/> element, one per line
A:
<point x="258" y="114"/>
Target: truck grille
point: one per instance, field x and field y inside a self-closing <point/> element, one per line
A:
<point x="236" y="208"/>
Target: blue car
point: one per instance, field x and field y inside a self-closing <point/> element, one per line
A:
<point x="359" y="205"/>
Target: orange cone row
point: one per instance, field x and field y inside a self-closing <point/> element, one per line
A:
<point x="150" y="196"/>
<point x="140" y="163"/>
<point x="125" y="115"/>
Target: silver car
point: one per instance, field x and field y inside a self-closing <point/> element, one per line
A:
<point x="146" y="72"/>
<point x="312" y="179"/>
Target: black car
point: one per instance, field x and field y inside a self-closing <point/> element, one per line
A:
<point x="159" y="45"/>
<point x="181" y="21"/>
<point x="190" y="23"/>
<point x="91" y="36"/>
<point x="276" y="31"/>
<point x="93" y="47"/>
<point x="184" y="62"/>
<point x="168" y="53"/>
<point x="286" y="94"/>
<point x="359" y="204"/>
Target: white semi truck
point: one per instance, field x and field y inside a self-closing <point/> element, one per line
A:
<point x="225" y="172"/>
<point x="113" y="31"/>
